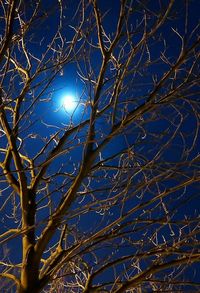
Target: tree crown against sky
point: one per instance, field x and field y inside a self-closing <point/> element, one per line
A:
<point x="99" y="113"/>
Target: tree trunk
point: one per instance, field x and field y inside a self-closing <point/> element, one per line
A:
<point x="30" y="263"/>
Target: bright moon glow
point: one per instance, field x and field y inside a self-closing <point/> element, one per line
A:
<point x="69" y="103"/>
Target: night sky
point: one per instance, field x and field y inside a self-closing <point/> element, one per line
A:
<point x="138" y="196"/>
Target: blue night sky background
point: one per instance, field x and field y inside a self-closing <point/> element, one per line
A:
<point x="141" y="156"/>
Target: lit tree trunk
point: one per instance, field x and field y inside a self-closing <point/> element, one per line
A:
<point x="30" y="265"/>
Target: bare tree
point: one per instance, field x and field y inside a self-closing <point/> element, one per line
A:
<point x="104" y="199"/>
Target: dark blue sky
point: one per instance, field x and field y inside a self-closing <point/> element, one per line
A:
<point x="145" y="136"/>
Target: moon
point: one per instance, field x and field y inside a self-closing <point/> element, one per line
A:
<point x="69" y="102"/>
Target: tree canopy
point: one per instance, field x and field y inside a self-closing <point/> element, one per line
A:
<point x="100" y="195"/>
